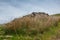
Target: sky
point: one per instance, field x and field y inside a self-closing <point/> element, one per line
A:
<point x="10" y="9"/>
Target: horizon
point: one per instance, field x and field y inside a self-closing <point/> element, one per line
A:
<point x="10" y="9"/>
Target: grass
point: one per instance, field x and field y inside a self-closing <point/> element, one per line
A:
<point x="51" y="33"/>
<point x="56" y="14"/>
<point x="47" y="35"/>
<point x="27" y="28"/>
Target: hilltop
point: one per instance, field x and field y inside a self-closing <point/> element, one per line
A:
<point x="30" y="20"/>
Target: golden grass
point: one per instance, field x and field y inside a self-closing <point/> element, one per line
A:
<point x="38" y="23"/>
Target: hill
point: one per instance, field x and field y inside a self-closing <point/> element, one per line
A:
<point x="38" y="25"/>
<point x="58" y="14"/>
<point x="38" y="21"/>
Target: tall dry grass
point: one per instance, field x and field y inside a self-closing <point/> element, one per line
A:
<point x="32" y="24"/>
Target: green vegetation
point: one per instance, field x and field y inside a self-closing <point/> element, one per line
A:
<point x="57" y="14"/>
<point x="46" y="28"/>
<point x="49" y="34"/>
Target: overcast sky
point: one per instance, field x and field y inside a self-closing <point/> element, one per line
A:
<point x="10" y="9"/>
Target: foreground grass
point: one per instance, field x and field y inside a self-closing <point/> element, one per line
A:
<point x="50" y="34"/>
<point x="45" y="28"/>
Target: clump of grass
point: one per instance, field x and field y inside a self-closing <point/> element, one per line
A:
<point x="2" y="32"/>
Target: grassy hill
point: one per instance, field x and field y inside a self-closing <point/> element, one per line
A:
<point x="35" y="26"/>
<point x="57" y="14"/>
